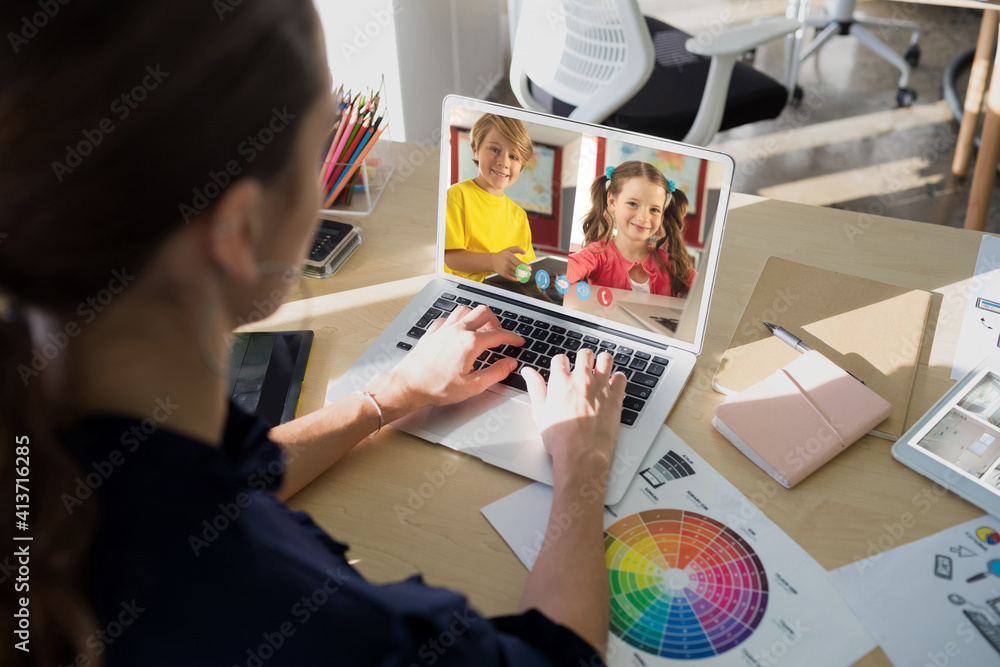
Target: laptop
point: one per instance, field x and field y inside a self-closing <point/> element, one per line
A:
<point x="553" y="189"/>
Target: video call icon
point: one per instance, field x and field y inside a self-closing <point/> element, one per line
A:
<point x="523" y="273"/>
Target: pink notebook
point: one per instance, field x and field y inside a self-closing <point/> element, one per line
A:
<point x="800" y="417"/>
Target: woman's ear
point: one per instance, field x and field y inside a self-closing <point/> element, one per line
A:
<point x="233" y="228"/>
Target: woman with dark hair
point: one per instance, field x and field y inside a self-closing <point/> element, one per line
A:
<point x="156" y="160"/>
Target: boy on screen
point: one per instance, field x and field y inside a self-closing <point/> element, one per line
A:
<point x="485" y="231"/>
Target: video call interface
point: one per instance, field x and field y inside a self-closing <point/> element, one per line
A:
<point x="549" y="193"/>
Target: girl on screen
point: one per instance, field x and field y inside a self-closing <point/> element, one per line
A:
<point x="634" y="233"/>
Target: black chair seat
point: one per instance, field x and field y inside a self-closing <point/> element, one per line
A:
<point x="666" y="106"/>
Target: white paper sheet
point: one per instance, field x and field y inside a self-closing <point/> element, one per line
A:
<point x="980" y="334"/>
<point x="919" y="600"/>
<point x="698" y="573"/>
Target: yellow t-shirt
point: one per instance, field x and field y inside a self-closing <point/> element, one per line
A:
<point x="481" y="222"/>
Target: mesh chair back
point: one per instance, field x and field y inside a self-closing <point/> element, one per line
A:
<point x="593" y="54"/>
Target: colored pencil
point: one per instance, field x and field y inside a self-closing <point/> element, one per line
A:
<point x="350" y="139"/>
<point x="327" y="163"/>
<point x="351" y="128"/>
<point x="344" y="161"/>
<point x="354" y="167"/>
<point x="359" y="145"/>
<point x="362" y="121"/>
<point x="345" y="112"/>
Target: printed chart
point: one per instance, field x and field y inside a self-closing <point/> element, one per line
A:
<point x="697" y="574"/>
<point x="683" y="585"/>
<point x="671" y="466"/>
<point x="988" y="535"/>
<point x="932" y="601"/>
<point x="981" y="320"/>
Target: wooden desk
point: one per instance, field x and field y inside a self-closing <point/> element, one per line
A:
<point x="407" y="506"/>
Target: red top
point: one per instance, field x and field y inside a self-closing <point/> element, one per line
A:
<point x="600" y="263"/>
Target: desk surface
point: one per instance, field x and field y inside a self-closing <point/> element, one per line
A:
<point x="393" y="499"/>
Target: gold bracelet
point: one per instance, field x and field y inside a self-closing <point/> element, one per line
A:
<point x="378" y="409"/>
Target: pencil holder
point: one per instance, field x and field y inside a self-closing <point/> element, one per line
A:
<point x="357" y="185"/>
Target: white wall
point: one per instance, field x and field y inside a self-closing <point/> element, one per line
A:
<point x="426" y="48"/>
<point x="361" y="46"/>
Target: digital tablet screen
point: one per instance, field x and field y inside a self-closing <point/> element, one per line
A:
<point x="957" y="442"/>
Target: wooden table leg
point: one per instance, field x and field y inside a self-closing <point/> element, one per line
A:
<point x="984" y="177"/>
<point x="974" y="95"/>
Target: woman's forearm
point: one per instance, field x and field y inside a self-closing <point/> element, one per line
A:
<point x="438" y="371"/>
<point x="316" y="441"/>
<point x="569" y="582"/>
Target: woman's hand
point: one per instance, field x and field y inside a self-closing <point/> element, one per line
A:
<point x="578" y="414"/>
<point x="438" y="370"/>
<point x="579" y="411"/>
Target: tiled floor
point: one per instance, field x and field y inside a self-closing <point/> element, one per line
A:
<point x="847" y="145"/>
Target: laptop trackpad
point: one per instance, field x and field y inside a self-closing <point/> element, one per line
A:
<point x="489" y="424"/>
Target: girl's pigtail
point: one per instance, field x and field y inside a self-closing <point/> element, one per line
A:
<point x="681" y="266"/>
<point x="597" y="224"/>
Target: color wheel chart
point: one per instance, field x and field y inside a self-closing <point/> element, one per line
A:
<point x="683" y="585"/>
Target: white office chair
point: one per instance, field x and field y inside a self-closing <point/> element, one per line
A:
<point x="602" y="61"/>
<point x="839" y="17"/>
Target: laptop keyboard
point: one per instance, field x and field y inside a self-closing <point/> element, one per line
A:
<point x="542" y="341"/>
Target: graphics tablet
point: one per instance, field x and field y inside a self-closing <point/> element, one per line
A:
<point x="957" y="443"/>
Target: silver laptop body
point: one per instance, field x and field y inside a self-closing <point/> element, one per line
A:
<point x="658" y="353"/>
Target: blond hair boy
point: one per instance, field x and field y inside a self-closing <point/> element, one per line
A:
<point x="485" y="231"/>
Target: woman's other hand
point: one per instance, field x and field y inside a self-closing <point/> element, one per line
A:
<point x="439" y="368"/>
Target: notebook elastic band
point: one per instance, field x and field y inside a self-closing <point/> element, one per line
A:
<point x="812" y="405"/>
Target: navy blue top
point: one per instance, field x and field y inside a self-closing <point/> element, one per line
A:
<point x="195" y="562"/>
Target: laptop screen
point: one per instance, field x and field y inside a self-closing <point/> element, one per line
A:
<point x="618" y="229"/>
